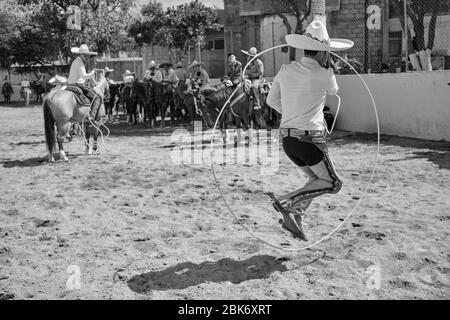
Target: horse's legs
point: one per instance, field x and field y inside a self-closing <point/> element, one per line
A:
<point x="62" y="132"/>
<point x="87" y="136"/>
<point x="95" y="144"/>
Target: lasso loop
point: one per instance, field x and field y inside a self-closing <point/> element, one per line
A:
<point x="217" y="184"/>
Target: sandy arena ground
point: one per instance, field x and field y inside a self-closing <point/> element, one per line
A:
<point x="131" y="224"/>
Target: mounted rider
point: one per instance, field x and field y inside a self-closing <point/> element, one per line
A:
<point x="255" y="73"/>
<point x="199" y="77"/>
<point x="79" y="77"/>
<point x="152" y="72"/>
<point x="24" y="85"/>
<point x="108" y="75"/>
<point x="7" y="90"/>
<point x="168" y="75"/>
<point x="182" y="76"/>
<point x="234" y="70"/>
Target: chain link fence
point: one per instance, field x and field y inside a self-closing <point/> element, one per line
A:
<point x="377" y="28"/>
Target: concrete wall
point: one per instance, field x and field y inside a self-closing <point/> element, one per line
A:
<point x="413" y="105"/>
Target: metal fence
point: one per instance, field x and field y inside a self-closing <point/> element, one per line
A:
<point x="378" y="29"/>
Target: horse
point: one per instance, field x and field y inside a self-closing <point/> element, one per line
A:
<point x="39" y="88"/>
<point x="187" y="100"/>
<point x="7" y="91"/>
<point x="133" y="96"/>
<point x="26" y="95"/>
<point x="238" y="109"/>
<point x="162" y="97"/>
<point x="114" y="99"/>
<point x="61" y="107"/>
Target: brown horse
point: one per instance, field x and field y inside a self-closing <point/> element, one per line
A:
<point x="238" y="109"/>
<point x="61" y="108"/>
<point x="162" y="95"/>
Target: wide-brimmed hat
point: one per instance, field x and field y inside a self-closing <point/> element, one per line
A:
<point x="128" y="73"/>
<point x="58" y="79"/>
<point x="83" y="49"/>
<point x="166" y="65"/>
<point x="316" y="38"/>
<point x="179" y="65"/>
<point x="152" y="64"/>
<point x="108" y="70"/>
<point x="251" y="52"/>
<point x="195" y="63"/>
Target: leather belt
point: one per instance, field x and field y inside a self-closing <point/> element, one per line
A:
<point x="293" y="132"/>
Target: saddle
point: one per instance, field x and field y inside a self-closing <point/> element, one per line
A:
<point x="79" y="96"/>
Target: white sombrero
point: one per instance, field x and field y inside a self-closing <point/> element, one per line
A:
<point x="152" y="64"/>
<point x="195" y="63"/>
<point x="58" y="79"/>
<point x="83" y="49"/>
<point x="128" y="73"/>
<point x="251" y="52"/>
<point x="316" y="38"/>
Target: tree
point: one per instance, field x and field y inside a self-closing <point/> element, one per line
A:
<point x="300" y="9"/>
<point x="40" y="34"/>
<point x="146" y="28"/>
<point x="174" y="28"/>
<point x="417" y="10"/>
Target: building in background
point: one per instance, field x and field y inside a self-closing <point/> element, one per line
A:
<point x="377" y="34"/>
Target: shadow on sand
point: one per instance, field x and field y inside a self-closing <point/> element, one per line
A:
<point x="437" y="152"/>
<point x="189" y="274"/>
<point x="31" y="162"/>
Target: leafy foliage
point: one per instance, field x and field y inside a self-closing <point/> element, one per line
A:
<point x="174" y="28"/>
<point x="34" y="31"/>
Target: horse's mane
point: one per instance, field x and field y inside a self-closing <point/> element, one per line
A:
<point x="216" y="93"/>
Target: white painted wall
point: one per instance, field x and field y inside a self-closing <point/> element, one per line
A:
<point x="413" y="105"/>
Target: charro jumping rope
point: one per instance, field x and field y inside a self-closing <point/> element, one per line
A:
<point x="217" y="184"/>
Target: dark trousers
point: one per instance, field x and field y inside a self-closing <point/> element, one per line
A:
<point x="95" y="99"/>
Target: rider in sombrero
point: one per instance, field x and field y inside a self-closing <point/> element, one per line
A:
<point x="255" y="73"/>
<point x="78" y="77"/>
<point x="299" y="92"/>
<point x="199" y="76"/>
<point x="108" y="75"/>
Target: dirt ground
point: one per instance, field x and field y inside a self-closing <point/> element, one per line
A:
<point x="132" y="224"/>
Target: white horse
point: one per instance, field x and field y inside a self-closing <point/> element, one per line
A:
<point x="61" y="108"/>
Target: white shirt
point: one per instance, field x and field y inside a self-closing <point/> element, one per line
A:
<point x="299" y="93"/>
<point x="157" y="75"/>
<point x="78" y="72"/>
<point x="25" y="84"/>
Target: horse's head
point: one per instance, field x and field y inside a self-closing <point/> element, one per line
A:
<point x="102" y="85"/>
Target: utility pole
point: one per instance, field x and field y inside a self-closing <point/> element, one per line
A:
<point x="405" y="35"/>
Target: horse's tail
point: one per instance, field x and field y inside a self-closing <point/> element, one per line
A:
<point x="49" y="123"/>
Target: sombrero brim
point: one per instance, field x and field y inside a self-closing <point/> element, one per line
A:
<point x="307" y="43"/>
<point x="248" y="53"/>
<point x="163" y="65"/>
<point x="57" y="79"/>
<point x="77" y="51"/>
<point x="195" y="65"/>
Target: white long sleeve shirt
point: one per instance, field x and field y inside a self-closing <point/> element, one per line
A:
<point x="299" y="93"/>
<point x="78" y="73"/>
